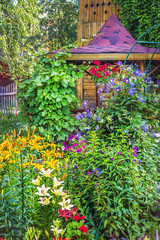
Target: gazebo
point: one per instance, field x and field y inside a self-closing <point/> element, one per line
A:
<point x="111" y="43"/>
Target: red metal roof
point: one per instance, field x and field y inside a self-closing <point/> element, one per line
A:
<point x="113" y="38"/>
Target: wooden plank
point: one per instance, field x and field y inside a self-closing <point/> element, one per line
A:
<point x="79" y="34"/>
<point x="80" y="89"/>
<point x="113" y="56"/>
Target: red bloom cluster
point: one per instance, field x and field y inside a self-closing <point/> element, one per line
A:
<point x="83" y="229"/>
<point x="101" y="72"/>
<point x="73" y="214"/>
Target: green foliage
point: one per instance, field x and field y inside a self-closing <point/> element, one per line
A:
<point x="8" y="122"/>
<point x="46" y="98"/>
<point x="15" y="202"/>
<point x="18" y="22"/>
<point x="140" y="16"/>
<point x="114" y="184"/>
<point x="58" y="23"/>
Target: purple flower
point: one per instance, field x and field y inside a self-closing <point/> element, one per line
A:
<point x="119" y="153"/>
<point x="153" y="134"/>
<point x="139" y="161"/>
<point x="144" y="128"/>
<point x="119" y="63"/>
<point x="88" y="173"/>
<point x="112" y="158"/>
<point x="71" y="137"/>
<point x="141" y="99"/>
<point x="66" y="143"/>
<point x="158" y="82"/>
<point x="97" y="128"/>
<point x="131" y="91"/>
<point x="79" y="150"/>
<point x="97" y="170"/>
<point x="135" y="155"/>
<point x="134" y="160"/>
<point x="86" y="129"/>
<point x="101" y="151"/>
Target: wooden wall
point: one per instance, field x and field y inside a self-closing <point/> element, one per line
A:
<point x="92" y="16"/>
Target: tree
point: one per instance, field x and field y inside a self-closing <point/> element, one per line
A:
<point x="19" y="21"/>
<point x="59" y="22"/>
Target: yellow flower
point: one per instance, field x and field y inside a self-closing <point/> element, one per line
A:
<point x="52" y="163"/>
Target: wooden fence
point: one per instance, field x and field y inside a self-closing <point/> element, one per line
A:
<point x="8" y="100"/>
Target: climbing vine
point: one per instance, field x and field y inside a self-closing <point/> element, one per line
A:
<point x="138" y="16"/>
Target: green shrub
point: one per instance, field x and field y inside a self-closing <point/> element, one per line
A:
<point x="45" y="99"/>
<point x="115" y="183"/>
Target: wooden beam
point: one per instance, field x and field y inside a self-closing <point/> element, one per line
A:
<point x="113" y="57"/>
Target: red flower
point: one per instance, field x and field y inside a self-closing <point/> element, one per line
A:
<point x="83" y="217"/>
<point x="106" y="74"/>
<point x="108" y="64"/>
<point x="83" y="229"/>
<point x="59" y="238"/>
<point x="114" y="70"/>
<point x="119" y="70"/>
<point x="66" y="239"/>
<point x="64" y="213"/>
<point x="77" y="217"/>
<point x="93" y="72"/>
<point x="97" y="63"/>
<point x="98" y="75"/>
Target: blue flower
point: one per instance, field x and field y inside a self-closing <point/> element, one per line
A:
<point x="97" y="128"/>
<point x="79" y="116"/>
<point x="99" y="92"/>
<point x="126" y="80"/>
<point x="101" y="97"/>
<point x="131" y="91"/>
<point x="98" y="118"/>
<point x="111" y="83"/>
<point x="86" y="103"/>
<point x="144" y="128"/>
<point x="153" y="134"/>
<point x="138" y="73"/>
<point x="141" y="99"/>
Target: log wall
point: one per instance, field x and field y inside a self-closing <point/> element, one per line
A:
<point x="92" y="16"/>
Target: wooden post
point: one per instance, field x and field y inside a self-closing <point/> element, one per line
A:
<point x="142" y="67"/>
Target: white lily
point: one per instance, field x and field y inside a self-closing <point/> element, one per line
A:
<point x="56" y="230"/>
<point x="56" y="182"/>
<point x="42" y="191"/>
<point x="45" y="201"/>
<point x="58" y="191"/>
<point x="46" y="173"/>
<point x="36" y="181"/>
<point x="66" y="204"/>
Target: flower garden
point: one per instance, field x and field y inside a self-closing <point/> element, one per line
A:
<point x="93" y="176"/>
